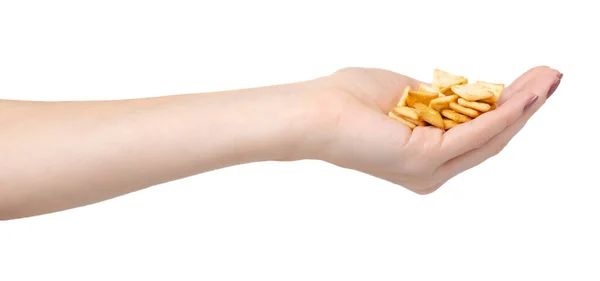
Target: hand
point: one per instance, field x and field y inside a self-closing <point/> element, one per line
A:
<point x="362" y="137"/>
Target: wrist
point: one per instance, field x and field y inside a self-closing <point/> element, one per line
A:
<point x="284" y="122"/>
<point x="311" y="114"/>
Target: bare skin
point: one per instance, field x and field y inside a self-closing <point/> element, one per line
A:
<point x="63" y="155"/>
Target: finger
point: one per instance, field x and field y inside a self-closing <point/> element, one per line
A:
<point x="397" y="84"/>
<point x="543" y="89"/>
<point x="522" y="81"/>
<point x="383" y="86"/>
<point x="527" y="76"/>
<point x="477" y="132"/>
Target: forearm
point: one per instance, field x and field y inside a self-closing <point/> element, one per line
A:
<point x="62" y="155"/>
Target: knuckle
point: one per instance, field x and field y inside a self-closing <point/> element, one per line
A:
<point x="426" y="189"/>
<point x="499" y="148"/>
<point x="481" y="140"/>
<point x="506" y="121"/>
<point x="422" y="192"/>
<point x="503" y="119"/>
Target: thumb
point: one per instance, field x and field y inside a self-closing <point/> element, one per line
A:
<point x="375" y="85"/>
<point x="390" y="86"/>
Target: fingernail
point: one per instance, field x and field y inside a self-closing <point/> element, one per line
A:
<point x="553" y="88"/>
<point x="559" y="75"/>
<point x="531" y="102"/>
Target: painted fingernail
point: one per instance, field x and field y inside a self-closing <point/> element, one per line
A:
<point x="531" y="102"/>
<point x="553" y="88"/>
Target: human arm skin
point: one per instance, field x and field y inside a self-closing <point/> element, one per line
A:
<point x="61" y="155"/>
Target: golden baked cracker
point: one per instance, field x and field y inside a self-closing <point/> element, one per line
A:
<point x="402" y="101"/>
<point x="443" y="102"/>
<point x="429" y="115"/>
<point x="455" y="116"/>
<point x="423" y="94"/>
<point x="419" y="97"/>
<point x="443" y="80"/>
<point x="448" y="124"/>
<point x="429" y="89"/>
<point x="401" y="120"/>
<point x="464" y="110"/>
<point x="472" y="92"/>
<point x="406" y="112"/>
<point x="479" y="106"/>
<point x="496" y="88"/>
<point x="416" y="122"/>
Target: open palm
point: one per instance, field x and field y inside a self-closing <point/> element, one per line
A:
<point x="364" y="138"/>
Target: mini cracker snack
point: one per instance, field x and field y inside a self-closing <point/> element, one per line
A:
<point x="449" y="101"/>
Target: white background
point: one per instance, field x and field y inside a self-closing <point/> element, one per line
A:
<point x="531" y="213"/>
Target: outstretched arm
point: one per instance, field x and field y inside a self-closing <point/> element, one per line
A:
<point x="60" y="155"/>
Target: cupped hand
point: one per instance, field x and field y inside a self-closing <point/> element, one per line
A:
<point x="362" y="137"/>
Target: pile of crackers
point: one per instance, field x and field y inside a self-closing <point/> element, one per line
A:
<point x="449" y="101"/>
